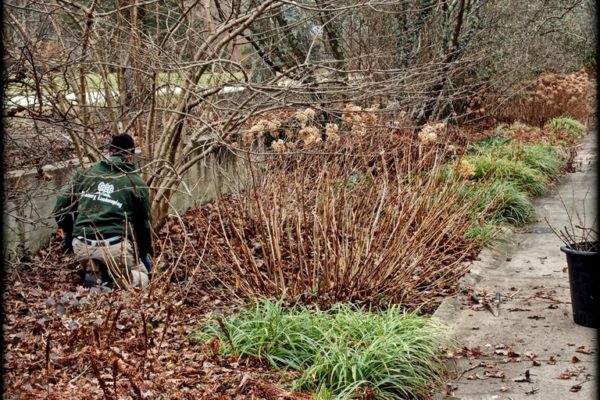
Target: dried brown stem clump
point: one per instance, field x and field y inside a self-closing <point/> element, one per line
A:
<point x="369" y="226"/>
<point x="547" y="96"/>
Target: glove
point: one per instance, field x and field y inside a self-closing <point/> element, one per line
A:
<point x="147" y="262"/>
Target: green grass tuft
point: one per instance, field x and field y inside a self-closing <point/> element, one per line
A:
<point x="341" y="351"/>
<point x="488" y="167"/>
<point x="541" y="157"/>
<point x="485" y="233"/>
<point x="569" y="125"/>
<point x="509" y="130"/>
<point x="507" y="175"/>
<point x="487" y="144"/>
<point x="501" y="201"/>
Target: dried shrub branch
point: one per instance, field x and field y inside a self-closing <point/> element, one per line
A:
<point x="324" y="227"/>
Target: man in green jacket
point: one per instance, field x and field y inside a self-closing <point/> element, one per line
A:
<point x="107" y="212"/>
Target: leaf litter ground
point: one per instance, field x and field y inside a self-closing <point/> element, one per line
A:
<point x="63" y="341"/>
<point x="66" y="342"/>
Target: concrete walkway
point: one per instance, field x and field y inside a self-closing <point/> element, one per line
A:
<point x="534" y="330"/>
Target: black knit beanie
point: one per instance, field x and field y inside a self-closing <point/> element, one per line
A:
<point x="122" y="143"/>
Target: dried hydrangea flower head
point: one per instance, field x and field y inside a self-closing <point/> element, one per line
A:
<point x="273" y="128"/>
<point x="309" y="112"/>
<point x="350" y="107"/>
<point x="430" y="132"/>
<point x="301" y="117"/>
<point x="370" y="116"/>
<point x="248" y="137"/>
<point x="331" y="131"/>
<point x="309" y="135"/>
<point x="466" y="169"/>
<point x="305" y="115"/>
<point x="352" y="113"/>
<point x="259" y="128"/>
<point x="355" y="118"/>
<point x="279" y="146"/>
<point x="359" y="128"/>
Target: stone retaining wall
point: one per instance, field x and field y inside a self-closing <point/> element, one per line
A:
<point x="30" y="197"/>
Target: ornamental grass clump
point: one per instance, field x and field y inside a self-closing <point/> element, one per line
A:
<point x="530" y="166"/>
<point x="527" y="179"/>
<point x="573" y="127"/>
<point x="485" y="233"/>
<point x="504" y="175"/>
<point x="542" y="157"/>
<point x="502" y="202"/>
<point x="344" y="352"/>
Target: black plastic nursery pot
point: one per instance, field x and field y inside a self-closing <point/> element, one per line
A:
<point x="583" y="282"/>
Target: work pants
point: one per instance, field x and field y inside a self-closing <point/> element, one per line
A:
<point x="118" y="261"/>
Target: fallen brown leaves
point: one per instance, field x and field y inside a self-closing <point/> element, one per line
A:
<point x="575" y="388"/>
<point x="583" y="350"/>
<point x="470" y="353"/>
<point x="571" y="372"/>
<point x="63" y="341"/>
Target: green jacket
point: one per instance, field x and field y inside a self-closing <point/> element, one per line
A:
<point x="104" y="200"/>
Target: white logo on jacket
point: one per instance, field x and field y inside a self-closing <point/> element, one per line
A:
<point x="103" y="194"/>
<point x="105" y="188"/>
